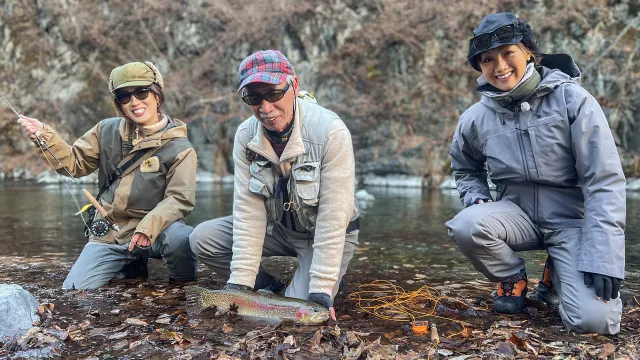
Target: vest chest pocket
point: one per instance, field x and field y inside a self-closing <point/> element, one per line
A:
<point x="307" y="181"/>
<point x="261" y="181"/>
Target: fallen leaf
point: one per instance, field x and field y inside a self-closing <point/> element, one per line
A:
<point x="118" y="335"/>
<point x="226" y="328"/>
<point x="520" y="340"/>
<point x="467" y="332"/>
<point x="506" y="348"/>
<point x="48" y="307"/>
<point x="607" y="350"/>
<point x="120" y="344"/>
<point x="164" y="319"/>
<point x="344" y="317"/>
<point x="290" y="340"/>
<point x="316" y="338"/>
<point x="134" y="321"/>
<point x="393" y="334"/>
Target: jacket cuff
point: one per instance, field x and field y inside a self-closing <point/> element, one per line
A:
<point x="243" y="277"/>
<point x="322" y="286"/>
<point x="602" y="253"/>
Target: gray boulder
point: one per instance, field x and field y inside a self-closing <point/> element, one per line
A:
<point x="17" y="310"/>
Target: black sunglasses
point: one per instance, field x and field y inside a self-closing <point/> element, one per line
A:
<point x="271" y="96"/>
<point x="125" y="97"/>
<point x="483" y="41"/>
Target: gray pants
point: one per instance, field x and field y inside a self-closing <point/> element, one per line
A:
<point x="489" y="235"/>
<point x="99" y="263"/>
<point x="212" y="241"/>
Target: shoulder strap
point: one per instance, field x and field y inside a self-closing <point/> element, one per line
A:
<point x="125" y="166"/>
<point x="119" y="171"/>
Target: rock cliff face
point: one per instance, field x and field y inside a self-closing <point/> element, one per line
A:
<point x="396" y="71"/>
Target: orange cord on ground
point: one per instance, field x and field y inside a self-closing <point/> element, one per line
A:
<point x="388" y="301"/>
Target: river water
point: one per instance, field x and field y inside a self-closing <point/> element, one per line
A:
<point x="402" y="236"/>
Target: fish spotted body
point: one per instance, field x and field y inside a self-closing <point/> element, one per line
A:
<point x="260" y="305"/>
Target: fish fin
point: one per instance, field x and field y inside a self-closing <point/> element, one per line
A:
<point x="194" y="295"/>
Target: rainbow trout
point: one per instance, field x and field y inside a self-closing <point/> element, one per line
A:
<point x="263" y="306"/>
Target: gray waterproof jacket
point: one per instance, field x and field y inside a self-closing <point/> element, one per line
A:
<point x="557" y="161"/>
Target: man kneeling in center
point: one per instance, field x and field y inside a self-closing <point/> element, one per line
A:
<point x="294" y="179"/>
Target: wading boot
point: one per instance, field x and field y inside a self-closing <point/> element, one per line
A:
<point x="509" y="299"/>
<point x="135" y="269"/>
<point x="545" y="291"/>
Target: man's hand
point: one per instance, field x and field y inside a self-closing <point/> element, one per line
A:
<point x="324" y="300"/>
<point x="237" y="287"/>
<point x="140" y="240"/>
<point x="607" y="287"/>
<point x="31" y="127"/>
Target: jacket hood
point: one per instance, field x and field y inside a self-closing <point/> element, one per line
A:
<point x="555" y="69"/>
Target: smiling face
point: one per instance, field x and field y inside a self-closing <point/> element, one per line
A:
<point x="504" y="66"/>
<point x="143" y="112"/>
<point x="277" y="115"/>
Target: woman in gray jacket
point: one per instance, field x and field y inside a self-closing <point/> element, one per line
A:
<point x="546" y="144"/>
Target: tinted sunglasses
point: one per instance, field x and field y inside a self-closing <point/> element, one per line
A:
<point x="125" y="97"/>
<point x="271" y="96"/>
<point x="504" y="35"/>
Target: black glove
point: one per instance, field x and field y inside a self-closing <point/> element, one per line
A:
<point x="322" y="299"/>
<point x="237" y="287"/>
<point x="607" y="287"/>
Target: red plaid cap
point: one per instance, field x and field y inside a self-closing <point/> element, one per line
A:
<point x="266" y="66"/>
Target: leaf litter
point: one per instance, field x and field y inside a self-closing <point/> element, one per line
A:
<point x="142" y="319"/>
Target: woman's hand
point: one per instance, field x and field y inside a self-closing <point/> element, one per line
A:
<point x="140" y="240"/>
<point x="480" y="201"/>
<point x="32" y="127"/>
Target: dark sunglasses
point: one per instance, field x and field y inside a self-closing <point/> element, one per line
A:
<point x="125" y="97"/>
<point x="271" y="96"/>
<point x="504" y="35"/>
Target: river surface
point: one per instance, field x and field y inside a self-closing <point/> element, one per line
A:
<point x="402" y="236"/>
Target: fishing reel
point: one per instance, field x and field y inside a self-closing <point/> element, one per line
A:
<point x="100" y="228"/>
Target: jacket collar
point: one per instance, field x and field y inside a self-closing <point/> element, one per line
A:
<point x="175" y="129"/>
<point x="556" y="69"/>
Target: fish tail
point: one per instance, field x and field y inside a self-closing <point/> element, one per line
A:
<point x="195" y="298"/>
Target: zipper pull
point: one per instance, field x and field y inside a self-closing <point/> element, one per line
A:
<point x="137" y="132"/>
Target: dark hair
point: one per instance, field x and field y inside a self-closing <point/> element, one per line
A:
<point x="529" y="40"/>
<point x="156" y="90"/>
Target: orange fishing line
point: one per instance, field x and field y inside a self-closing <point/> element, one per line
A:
<point x="388" y="301"/>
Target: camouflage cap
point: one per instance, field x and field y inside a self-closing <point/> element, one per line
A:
<point x="134" y="74"/>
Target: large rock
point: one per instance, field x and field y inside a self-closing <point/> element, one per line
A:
<point x="17" y="310"/>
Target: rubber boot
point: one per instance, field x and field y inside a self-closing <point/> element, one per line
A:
<point x="509" y="299"/>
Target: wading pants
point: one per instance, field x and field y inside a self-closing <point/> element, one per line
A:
<point x="489" y="234"/>
<point x="212" y="241"/>
<point x="99" y="263"/>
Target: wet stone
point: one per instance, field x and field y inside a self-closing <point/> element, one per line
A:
<point x="17" y="310"/>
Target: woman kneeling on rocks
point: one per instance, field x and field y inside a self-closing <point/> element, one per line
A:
<point x="147" y="171"/>
<point x="547" y="146"/>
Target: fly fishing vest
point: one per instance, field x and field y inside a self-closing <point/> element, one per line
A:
<point x="303" y="185"/>
<point x="147" y="187"/>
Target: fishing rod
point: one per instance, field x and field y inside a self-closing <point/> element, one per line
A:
<point x="98" y="227"/>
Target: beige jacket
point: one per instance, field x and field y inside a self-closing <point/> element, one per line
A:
<point x="319" y="160"/>
<point x="156" y="191"/>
